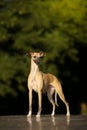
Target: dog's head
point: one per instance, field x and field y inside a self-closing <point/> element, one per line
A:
<point x="36" y="56"/>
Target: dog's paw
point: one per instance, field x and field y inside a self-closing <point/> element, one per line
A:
<point x="29" y="114"/>
<point x="38" y="115"/>
<point x="68" y="114"/>
<point x="52" y="114"/>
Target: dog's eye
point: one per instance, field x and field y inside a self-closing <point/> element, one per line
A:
<point x="34" y="56"/>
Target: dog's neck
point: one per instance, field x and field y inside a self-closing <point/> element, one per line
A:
<point x="34" y="67"/>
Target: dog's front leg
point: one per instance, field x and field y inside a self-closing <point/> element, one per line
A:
<point x="30" y="103"/>
<point x="39" y="103"/>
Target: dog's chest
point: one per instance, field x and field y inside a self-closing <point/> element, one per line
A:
<point x="35" y="80"/>
<point x="33" y="83"/>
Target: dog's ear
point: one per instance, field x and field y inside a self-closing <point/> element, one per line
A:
<point x="29" y="53"/>
<point x="42" y="54"/>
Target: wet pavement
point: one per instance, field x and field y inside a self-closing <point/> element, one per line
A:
<point x="59" y="122"/>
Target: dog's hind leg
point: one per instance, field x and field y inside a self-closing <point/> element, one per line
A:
<point x="50" y="97"/>
<point x="56" y="98"/>
<point x="62" y="97"/>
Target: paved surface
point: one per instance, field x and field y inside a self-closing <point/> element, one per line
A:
<point x="59" y="122"/>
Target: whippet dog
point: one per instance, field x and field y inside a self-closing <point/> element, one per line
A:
<point x="42" y="82"/>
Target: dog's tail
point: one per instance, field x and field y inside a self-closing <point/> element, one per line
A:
<point x="56" y="99"/>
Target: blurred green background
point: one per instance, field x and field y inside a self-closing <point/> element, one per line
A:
<point x="57" y="27"/>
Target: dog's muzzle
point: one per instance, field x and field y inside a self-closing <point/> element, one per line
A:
<point x="37" y="61"/>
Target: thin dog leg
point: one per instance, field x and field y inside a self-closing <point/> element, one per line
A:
<point x="61" y="95"/>
<point x="56" y="99"/>
<point x="50" y="94"/>
<point x="59" y="90"/>
<point x="30" y="103"/>
<point x="40" y="103"/>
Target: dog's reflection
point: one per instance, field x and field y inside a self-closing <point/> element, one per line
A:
<point x="54" y="120"/>
<point x="52" y="123"/>
<point x="34" y="123"/>
<point x="68" y="120"/>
